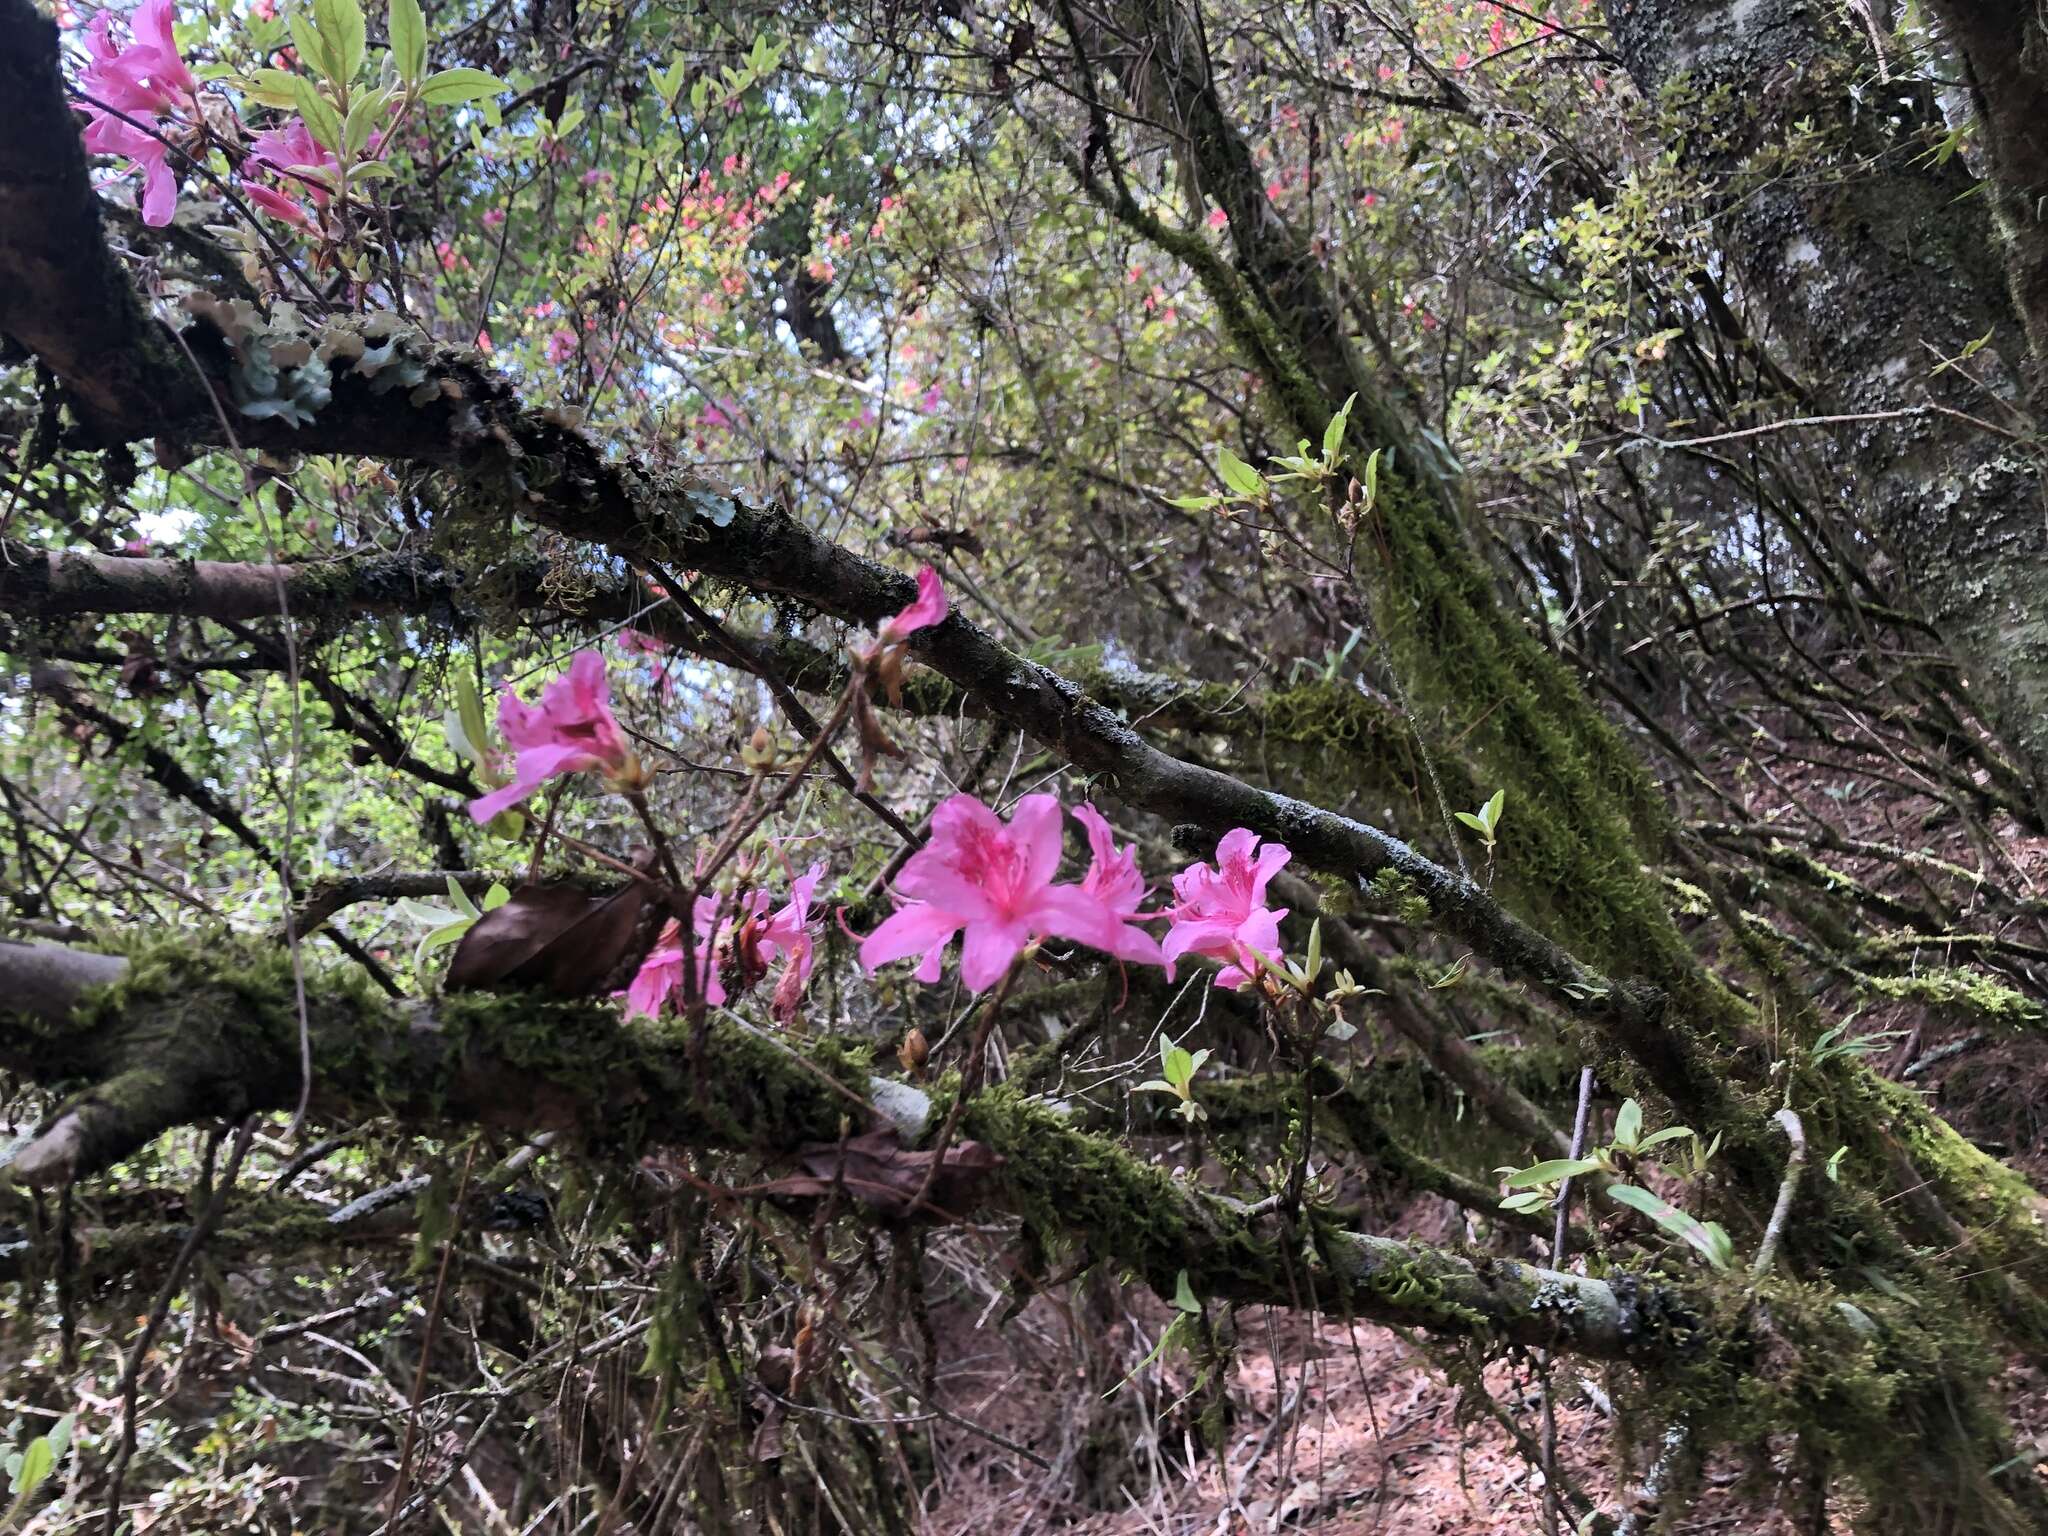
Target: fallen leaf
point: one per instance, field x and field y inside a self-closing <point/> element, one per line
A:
<point x="886" y="1176"/>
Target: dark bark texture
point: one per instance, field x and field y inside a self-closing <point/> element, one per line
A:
<point x="1869" y="275"/>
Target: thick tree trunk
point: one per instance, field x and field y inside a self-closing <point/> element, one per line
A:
<point x="2005" y="49"/>
<point x="1872" y="267"/>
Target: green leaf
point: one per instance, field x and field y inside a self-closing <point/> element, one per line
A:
<point x="1553" y="1171"/>
<point x="272" y="87"/>
<point x="1237" y="474"/>
<point x="1669" y="1133"/>
<point x="341" y="29"/>
<point x="38" y="1461"/>
<point x="311" y="47"/>
<point x="1490" y="812"/>
<point x="423" y="912"/>
<point x="362" y="120"/>
<point x="1194" y="503"/>
<point x="495" y="897"/>
<point x="1628" y="1124"/>
<point x="570" y="122"/>
<point x="452" y="87"/>
<point x="322" y="121"/>
<point x="1179" y="1066"/>
<point x="1372" y="479"/>
<point x="1333" y="434"/>
<point x="475" y="729"/>
<point x="461" y="899"/>
<point x="408" y="40"/>
<point x="1184" y="1296"/>
<point x="1705" y="1237"/>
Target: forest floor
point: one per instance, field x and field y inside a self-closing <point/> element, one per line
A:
<point x="1342" y="1430"/>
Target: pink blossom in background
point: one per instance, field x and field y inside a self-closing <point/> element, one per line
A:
<point x="144" y="81"/>
<point x="786" y="935"/>
<point x="493" y="217"/>
<point x="931" y="399"/>
<point x="561" y="345"/>
<point x="1114" y="880"/>
<point x="571" y="730"/>
<point x="718" y="413"/>
<point x="993" y="884"/>
<point x="1218" y="218"/>
<point x="483" y="342"/>
<point x="734" y="936"/>
<point x="1221" y="912"/>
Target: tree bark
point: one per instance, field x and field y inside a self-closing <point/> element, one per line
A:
<point x="1872" y="267"/>
<point x="2004" y="45"/>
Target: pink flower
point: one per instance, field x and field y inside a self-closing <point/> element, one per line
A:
<point x="994" y="885"/>
<point x="561" y="345"/>
<point x="1114" y="880"/>
<point x="718" y="413"/>
<point x="660" y="974"/>
<point x="144" y="81"/>
<point x="1218" y="218"/>
<point x="929" y="607"/>
<point x="493" y="217"/>
<point x="786" y="935"/>
<point x="932" y="398"/>
<point x="571" y="730"/>
<point x="148" y="77"/>
<point x="1222" y="912"/>
<point x="286" y="154"/>
<point x="734" y="939"/>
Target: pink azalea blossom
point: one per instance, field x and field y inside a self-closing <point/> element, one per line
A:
<point x="993" y="884"/>
<point x="285" y="155"/>
<point x="786" y="935"/>
<point x="1114" y="880"/>
<point x="739" y="940"/>
<point x="144" y="81"/>
<point x="1221" y="912"/>
<point x="659" y="976"/>
<point x="1218" y="218"/>
<point x="146" y="78"/>
<point x="493" y="217"/>
<point x="929" y="607"/>
<point x="561" y="345"/>
<point x="571" y="730"/>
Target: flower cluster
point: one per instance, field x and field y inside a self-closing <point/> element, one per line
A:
<point x="133" y="89"/>
<point x="990" y="883"/>
<point x="993" y="884"/>
<point x="735" y="944"/>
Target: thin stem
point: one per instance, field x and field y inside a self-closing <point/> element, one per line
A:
<point x="1767" y="1250"/>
